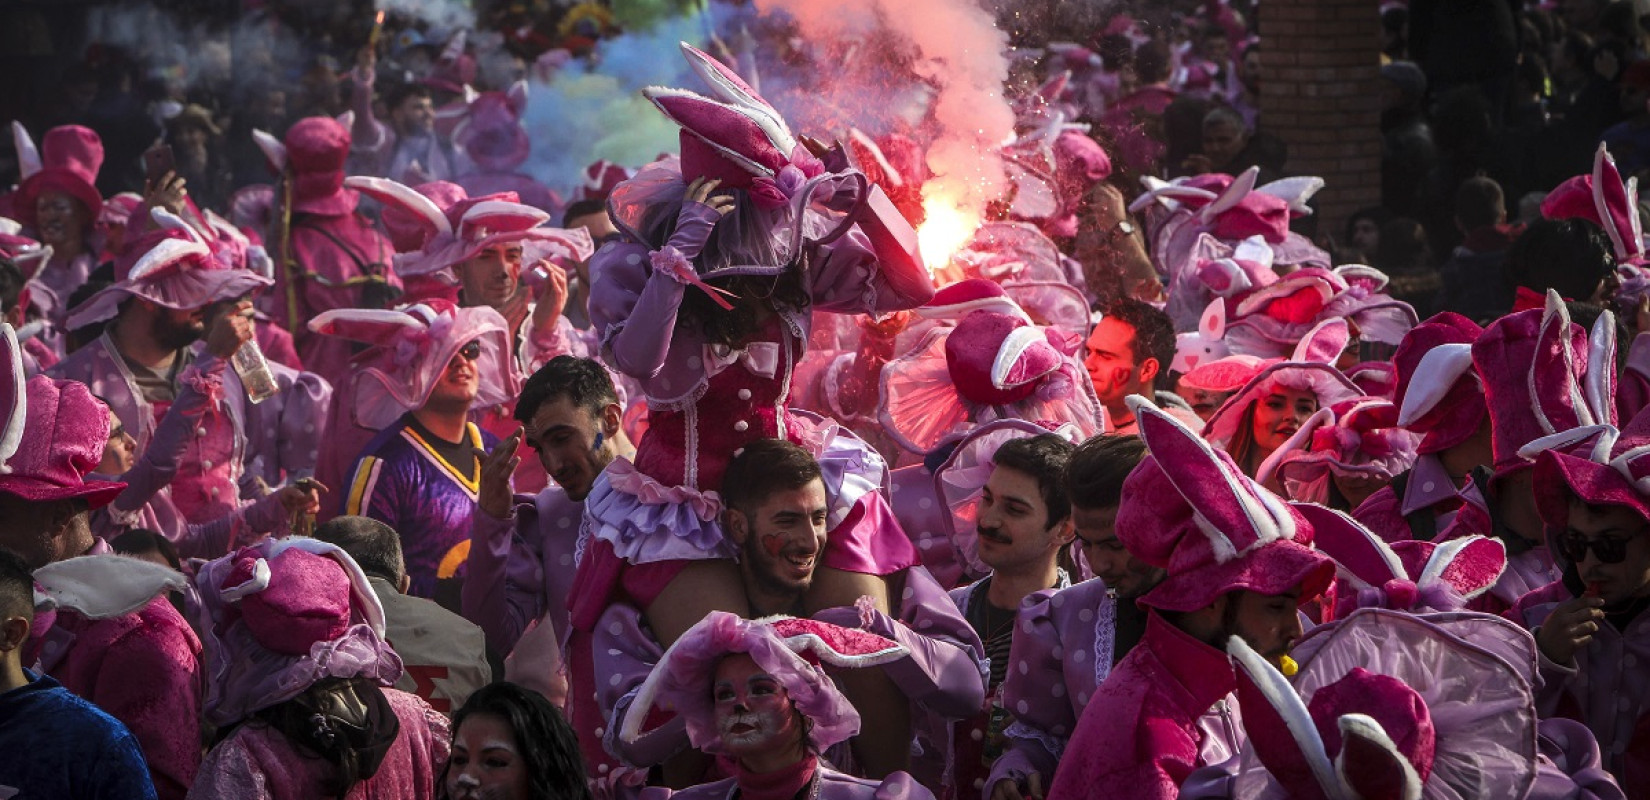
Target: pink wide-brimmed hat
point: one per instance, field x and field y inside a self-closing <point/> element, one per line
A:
<point x="961" y="480"/>
<point x="53" y="436"/>
<point x="28" y="254"/>
<point x="68" y="161"/>
<point x="794" y="651"/>
<point x="414" y="345"/>
<point x="312" y="156"/>
<point x="1544" y="375"/>
<point x="173" y="267"/>
<point x="1309" y="369"/>
<point x="1439" y="394"/>
<point x="989" y="366"/>
<point x="1353" y="438"/>
<point x="1393" y="705"/>
<point x="282" y="615"/>
<point x="450" y="227"/>
<point x="1413" y="575"/>
<point x="1189" y="510"/>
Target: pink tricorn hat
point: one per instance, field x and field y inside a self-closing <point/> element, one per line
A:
<point x="55" y="432"/>
<point x="414" y="345"/>
<point x="1189" y="510"/>
<point x="453" y="233"/>
<point x="173" y="267"/>
<point x="794" y="651"/>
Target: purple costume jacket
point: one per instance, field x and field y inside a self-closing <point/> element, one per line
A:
<point x="258" y="762"/>
<point x="944" y="677"/>
<point x="403" y="482"/>
<point x="521" y="567"/>
<point x="1140" y="737"/>
<point x="833" y="785"/>
<point x="1607" y="688"/>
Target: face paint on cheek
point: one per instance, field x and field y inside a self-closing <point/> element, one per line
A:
<point x="772" y="543"/>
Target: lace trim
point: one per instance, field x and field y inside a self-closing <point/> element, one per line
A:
<point x="1055" y="745"/>
<point x="1105" y="638"/>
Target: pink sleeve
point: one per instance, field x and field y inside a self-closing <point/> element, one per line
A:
<point x="1633" y="387"/>
<point x="625" y="290"/>
<point x="159" y="463"/>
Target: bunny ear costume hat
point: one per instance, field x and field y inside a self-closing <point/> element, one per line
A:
<point x="52" y="434"/>
<point x="1212" y="528"/>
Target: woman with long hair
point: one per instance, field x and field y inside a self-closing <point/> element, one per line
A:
<point x="509" y="743"/>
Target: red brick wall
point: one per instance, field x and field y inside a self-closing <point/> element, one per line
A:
<point x="1320" y="93"/>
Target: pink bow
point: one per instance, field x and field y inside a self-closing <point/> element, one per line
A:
<point x="760" y="358"/>
<point x="771" y="193"/>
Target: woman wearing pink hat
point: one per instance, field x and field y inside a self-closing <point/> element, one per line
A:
<point x="58" y="203"/>
<point x="758" y="694"/>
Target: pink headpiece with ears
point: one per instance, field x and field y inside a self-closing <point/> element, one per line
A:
<point x="14" y="401"/>
<point x="491" y="133"/>
<point x="1309" y="369"/>
<point x="989" y="366"/>
<point x="1391" y="705"/>
<point x="1604" y="199"/>
<point x="1439" y="394"/>
<point x="1416" y="576"/>
<point x="1543" y="375"/>
<point x="600" y="178"/>
<point x="1189" y="510"/>
<point x="413" y="346"/>
<point x="737" y="137"/>
<point x="465" y="226"/>
<point x="791" y="650"/>
<point x="1357" y="437"/>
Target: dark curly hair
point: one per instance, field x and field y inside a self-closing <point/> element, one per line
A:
<point x="555" y="767"/>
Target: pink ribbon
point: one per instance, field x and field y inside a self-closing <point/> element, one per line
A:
<point x="671" y="262"/>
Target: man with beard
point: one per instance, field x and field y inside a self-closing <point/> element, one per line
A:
<point x="409" y="148"/>
<point x="521" y="547"/>
<point x="1235" y="566"/>
<point x="421" y="474"/>
<point x="1049" y="683"/>
<point x="1023" y="522"/>
<point x="156" y="312"/>
<point x="778" y="503"/>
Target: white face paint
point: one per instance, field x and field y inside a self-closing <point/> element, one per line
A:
<point x="485" y="764"/>
<point x="754" y="713"/>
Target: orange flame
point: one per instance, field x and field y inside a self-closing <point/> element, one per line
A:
<point x="946" y="227"/>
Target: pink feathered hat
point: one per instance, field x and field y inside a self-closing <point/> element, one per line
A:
<point x="414" y="345"/>
<point x="172" y="267"/>
<point x="1417" y="576"/>
<point x="960" y="481"/>
<point x="1187" y="509"/>
<point x="69" y="159"/>
<point x="1357" y="437"/>
<point x="1439" y="394"/>
<point x="53" y="435"/>
<point x="795" y="651"/>
<point x="454" y="232"/>
<point x="1604" y="199"/>
<point x="1543" y="375"/>
<point x="1391" y="705"/>
<point x="280" y="616"/>
<point x="990" y="366"/>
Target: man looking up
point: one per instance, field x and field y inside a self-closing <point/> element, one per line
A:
<point x="1129" y="349"/>
<point x="1234" y="567"/>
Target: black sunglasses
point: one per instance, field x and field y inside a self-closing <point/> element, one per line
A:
<point x="1609" y="550"/>
<point x="471" y="351"/>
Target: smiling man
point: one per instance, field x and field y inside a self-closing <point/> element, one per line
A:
<point x="1128" y="351"/>
<point x="1023" y="520"/>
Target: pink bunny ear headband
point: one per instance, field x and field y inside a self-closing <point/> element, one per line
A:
<point x="1412" y="576"/>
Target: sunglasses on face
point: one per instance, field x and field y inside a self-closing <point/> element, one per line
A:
<point x="470" y="351"/>
<point x="1610" y="550"/>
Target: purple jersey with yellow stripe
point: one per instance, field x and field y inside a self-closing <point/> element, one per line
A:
<point x="425" y="489"/>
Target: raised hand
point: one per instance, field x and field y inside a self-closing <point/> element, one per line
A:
<point x="494" y="497"/>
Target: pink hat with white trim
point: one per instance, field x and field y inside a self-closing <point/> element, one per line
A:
<point x="53" y="436"/>
<point x="1309" y="369"/>
<point x="1604" y="199"/>
<point x="69" y="159"/>
<point x="172" y="267"/>
<point x="449" y="227"/>
<point x="1353" y="438"/>
<point x="1439" y="394"/>
<point x="1544" y="375"/>
<point x="1391" y="705"/>
<point x="1189" y="510"/>
<point x="794" y="651"/>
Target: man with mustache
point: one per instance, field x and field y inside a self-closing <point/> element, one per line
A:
<point x="779" y="506"/>
<point x="1023" y="521"/>
<point x="1235" y="565"/>
<point x="1055" y="625"/>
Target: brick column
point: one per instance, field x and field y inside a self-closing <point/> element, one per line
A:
<point x="1320" y="93"/>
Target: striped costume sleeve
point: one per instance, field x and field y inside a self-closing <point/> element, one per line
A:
<point x="362" y="485"/>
